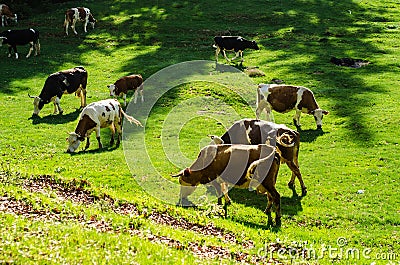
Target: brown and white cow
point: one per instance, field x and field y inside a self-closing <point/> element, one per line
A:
<point x="284" y="98"/>
<point x="244" y="166"/>
<point x="126" y="83"/>
<point x="6" y="13"/>
<point x="252" y="132"/>
<point x="96" y="115"/>
<point x="78" y="14"/>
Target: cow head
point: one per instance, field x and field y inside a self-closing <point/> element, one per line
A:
<point x="254" y="45"/>
<point x="92" y="20"/>
<point x="112" y="90"/>
<point x="74" y="140"/>
<point x="38" y="104"/>
<point x="2" y="40"/>
<point x="216" y="139"/>
<point x="318" y="116"/>
<point x="187" y="186"/>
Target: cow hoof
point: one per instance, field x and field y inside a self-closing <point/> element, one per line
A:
<point x="291" y="185"/>
<point x="303" y="191"/>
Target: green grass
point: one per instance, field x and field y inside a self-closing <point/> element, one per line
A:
<point x="357" y="150"/>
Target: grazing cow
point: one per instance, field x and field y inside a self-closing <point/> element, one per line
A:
<point x="14" y="37"/>
<point x="96" y="115"/>
<point x="245" y="166"/>
<point x="6" y="13"/>
<point x="252" y="132"/>
<point x="232" y="43"/>
<point x="78" y="14"/>
<point x="126" y="83"/>
<point x="284" y="98"/>
<point x="57" y="84"/>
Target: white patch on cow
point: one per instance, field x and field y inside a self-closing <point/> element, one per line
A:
<point x="73" y="142"/>
<point x="318" y="114"/>
<point x="111" y="87"/>
<point x="36" y="109"/>
<point x="262" y="101"/>
<point x="32" y="30"/>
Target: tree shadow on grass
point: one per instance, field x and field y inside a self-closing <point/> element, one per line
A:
<point x="56" y="119"/>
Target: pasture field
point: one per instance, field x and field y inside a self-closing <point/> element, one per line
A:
<point x="91" y="207"/>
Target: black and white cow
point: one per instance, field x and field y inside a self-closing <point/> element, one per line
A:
<point x="57" y="84"/>
<point x="14" y="37"/>
<point x="233" y="43"/>
<point x="78" y="14"/>
<point x="6" y="14"/>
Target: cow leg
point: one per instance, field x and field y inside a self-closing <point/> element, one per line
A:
<point x="10" y="48"/>
<point x="135" y="96"/>
<point x="141" y="92"/>
<point x="83" y="98"/>
<point x="124" y="97"/>
<point x="221" y="190"/>
<point x="263" y="104"/>
<point x="112" y="128"/>
<point x="30" y="49"/>
<point x="241" y="56"/>
<point x="85" y="25"/>
<point x="275" y="198"/>
<point x="73" y="26"/>
<point x="226" y="57"/>
<point x="98" y="136"/>
<point x="217" y="50"/>
<point x="66" y="27"/>
<point x="87" y="143"/>
<point x="236" y="55"/>
<point x="296" y="172"/>
<point x="37" y="48"/>
<point x="296" y="118"/>
<point x="118" y="127"/>
<point x="57" y="103"/>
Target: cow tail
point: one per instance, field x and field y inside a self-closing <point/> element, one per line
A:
<point x="130" y="118"/>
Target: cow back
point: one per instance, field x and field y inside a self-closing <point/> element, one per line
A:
<point x="282" y="97"/>
<point x="76" y="77"/>
<point x="20" y="36"/>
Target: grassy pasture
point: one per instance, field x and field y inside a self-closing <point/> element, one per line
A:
<point x="351" y="168"/>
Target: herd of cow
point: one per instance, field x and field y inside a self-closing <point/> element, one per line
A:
<point x="248" y="155"/>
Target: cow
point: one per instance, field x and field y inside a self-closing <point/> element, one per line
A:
<point x="233" y="43"/>
<point x="59" y="83"/>
<point x="244" y="166"/>
<point x="78" y="14"/>
<point x="252" y="132"/>
<point x="96" y="115"/>
<point x="6" y="13"/>
<point x="126" y="83"/>
<point x="14" y="37"/>
<point x="284" y="98"/>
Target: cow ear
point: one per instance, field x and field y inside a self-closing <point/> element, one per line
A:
<point x="325" y="112"/>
